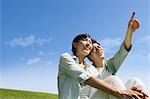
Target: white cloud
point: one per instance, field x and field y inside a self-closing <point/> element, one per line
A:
<point x="27" y="41"/>
<point x="22" y="41"/>
<point x="146" y="39"/>
<point x="109" y="43"/>
<point x="148" y="55"/>
<point x="38" y="61"/>
<point x="145" y="42"/>
<point x="50" y="53"/>
<point x="22" y="58"/>
<point x="47" y="62"/>
<point x="34" y="60"/>
<point x="41" y="41"/>
<point x="41" y="53"/>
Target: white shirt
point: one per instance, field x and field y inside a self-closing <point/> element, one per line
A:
<point x="71" y="77"/>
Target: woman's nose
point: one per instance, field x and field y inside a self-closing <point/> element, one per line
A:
<point x="101" y="48"/>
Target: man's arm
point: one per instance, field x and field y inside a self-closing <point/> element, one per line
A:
<point x="71" y="68"/>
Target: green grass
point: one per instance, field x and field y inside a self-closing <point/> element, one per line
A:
<point x="20" y="94"/>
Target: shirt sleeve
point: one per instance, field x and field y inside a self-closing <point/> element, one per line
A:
<point x="128" y="49"/>
<point x="71" y="68"/>
<point x="113" y="64"/>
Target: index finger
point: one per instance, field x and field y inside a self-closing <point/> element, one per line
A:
<point x="140" y="91"/>
<point x="132" y="17"/>
<point x="145" y="94"/>
<point x="136" y="89"/>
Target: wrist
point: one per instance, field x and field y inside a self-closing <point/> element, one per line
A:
<point x="118" y="93"/>
<point x="130" y="30"/>
<point x="128" y="48"/>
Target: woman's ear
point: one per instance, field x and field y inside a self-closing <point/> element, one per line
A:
<point x="74" y="44"/>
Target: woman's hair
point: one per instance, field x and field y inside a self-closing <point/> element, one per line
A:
<point x="94" y="41"/>
<point x="76" y="39"/>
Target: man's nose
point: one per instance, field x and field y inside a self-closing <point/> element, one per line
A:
<point x="89" y="45"/>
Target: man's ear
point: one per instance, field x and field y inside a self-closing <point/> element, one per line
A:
<point x="74" y="44"/>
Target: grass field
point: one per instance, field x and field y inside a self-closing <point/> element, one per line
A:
<point x="20" y="94"/>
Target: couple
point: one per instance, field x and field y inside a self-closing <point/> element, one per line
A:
<point x="79" y="80"/>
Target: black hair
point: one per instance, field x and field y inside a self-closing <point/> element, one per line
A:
<point x="94" y="41"/>
<point x="76" y="39"/>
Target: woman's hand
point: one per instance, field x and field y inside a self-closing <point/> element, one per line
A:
<point x="133" y="23"/>
<point x="145" y="96"/>
<point x="130" y="94"/>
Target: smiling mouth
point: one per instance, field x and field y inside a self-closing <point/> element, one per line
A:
<point x="99" y="54"/>
<point x="87" y="48"/>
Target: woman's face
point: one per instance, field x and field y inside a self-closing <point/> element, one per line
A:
<point x="97" y="52"/>
<point x="83" y="46"/>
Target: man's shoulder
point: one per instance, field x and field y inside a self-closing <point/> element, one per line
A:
<point x="66" y="55"/>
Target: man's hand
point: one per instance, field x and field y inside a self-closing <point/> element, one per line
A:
<point x="133" y="23"/>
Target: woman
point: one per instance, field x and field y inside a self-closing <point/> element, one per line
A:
<point x="74" y="73"/>
<point x="108" y="70"/>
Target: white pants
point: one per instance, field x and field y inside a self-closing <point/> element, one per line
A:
<point x="118" y="83"/>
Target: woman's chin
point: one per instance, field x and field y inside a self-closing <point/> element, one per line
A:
<point x="102" y="57"/>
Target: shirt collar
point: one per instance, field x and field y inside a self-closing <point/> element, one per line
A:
<point x="77" y="61"/>
<point x="75" y="58"/>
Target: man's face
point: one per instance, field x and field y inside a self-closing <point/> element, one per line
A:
<point x="97" y="52"/>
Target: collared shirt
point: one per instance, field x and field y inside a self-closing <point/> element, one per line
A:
<point x="71" y="77"/>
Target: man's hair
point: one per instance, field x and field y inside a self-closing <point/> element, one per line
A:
<point x="77" y="38"/>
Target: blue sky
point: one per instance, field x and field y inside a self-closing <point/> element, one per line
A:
<point x="35" y="32"/>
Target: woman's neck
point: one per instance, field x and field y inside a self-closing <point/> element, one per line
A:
<point x="99" y="63"/>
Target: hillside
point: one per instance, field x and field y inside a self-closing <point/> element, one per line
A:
<point x="21" y="94"/>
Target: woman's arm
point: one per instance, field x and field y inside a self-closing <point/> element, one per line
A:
<point x="101" y="85"/>
<point x="132" y="26"/>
